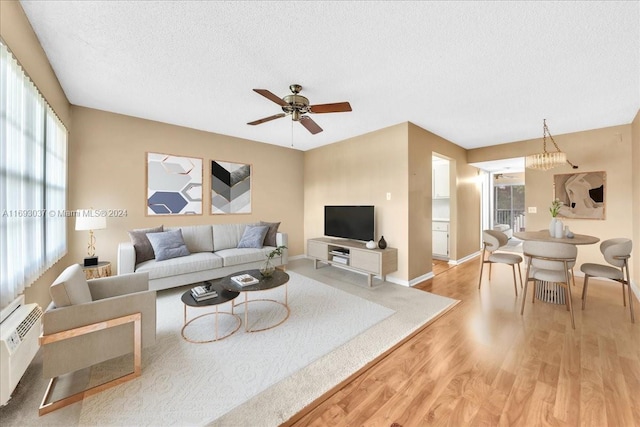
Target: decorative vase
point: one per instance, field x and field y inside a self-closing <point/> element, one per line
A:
<point x="382" y="243"/>
<point x="371" y="244"/>
<point x="568" y="232"/>
<point x="559" y="230"/>
<point x="267" y="268"/>
<point x="552" y="227"/>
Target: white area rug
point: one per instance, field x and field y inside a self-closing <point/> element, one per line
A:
<point x="258" y="379"/>
<point x="192" y="384"/>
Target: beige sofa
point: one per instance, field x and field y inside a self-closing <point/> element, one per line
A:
<point x="214" y="253"/>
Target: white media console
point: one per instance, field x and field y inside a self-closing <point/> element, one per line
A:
<point x="353" y="256"/>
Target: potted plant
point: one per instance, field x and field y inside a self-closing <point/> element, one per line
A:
<point x="267" y="268"/>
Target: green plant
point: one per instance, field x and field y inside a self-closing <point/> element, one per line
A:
<point x="555" y="207"/>
<point x="276" y="252"/>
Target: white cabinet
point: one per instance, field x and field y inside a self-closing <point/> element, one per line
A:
<point x="440" y="239"/>
<point x="441" y="180"/>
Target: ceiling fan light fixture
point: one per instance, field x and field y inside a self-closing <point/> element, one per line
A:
<point x="546" y="160"/>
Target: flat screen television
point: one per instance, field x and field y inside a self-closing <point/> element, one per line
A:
<point x="350" y="222"/>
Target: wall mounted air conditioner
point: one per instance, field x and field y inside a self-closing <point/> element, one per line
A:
<point x="19" y="333"/>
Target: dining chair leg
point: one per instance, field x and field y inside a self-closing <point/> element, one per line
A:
<point x="568" y="297"/>
<point x="533" y="294"/>
<point x="481" y="267"/>
<point x="524" y="292"/>
<point x="520" y="274"/>
<point x="584" y="290"/>
<point x="567" y="294"/>
<point x="633" y="319"/>
<point x="515" y="283"/>
<point x="573" y="277"/>
<point x="490" y="265"/>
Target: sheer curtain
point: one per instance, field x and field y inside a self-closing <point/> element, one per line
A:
<point x="33" y="156"/>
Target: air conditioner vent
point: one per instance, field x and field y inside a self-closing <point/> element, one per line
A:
<point x="29" y="321"/>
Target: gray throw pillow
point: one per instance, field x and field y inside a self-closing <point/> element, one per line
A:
<point x="141" y="244"/>
<point x="168" y="244"/>
<point x="270" y="238"/>
<point x="253" y="236"/>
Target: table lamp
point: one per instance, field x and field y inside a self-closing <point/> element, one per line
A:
<point x="88" y="219"/>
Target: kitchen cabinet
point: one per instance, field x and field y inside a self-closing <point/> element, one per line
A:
<point x="441" y="180"/>
<point x="440" y="240"/>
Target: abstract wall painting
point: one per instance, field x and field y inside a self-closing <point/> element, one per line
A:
<point x="230" y="188"/>
<point x="174" y="185"/>
<point x="582" y="194"/>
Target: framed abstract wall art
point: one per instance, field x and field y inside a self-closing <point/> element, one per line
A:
<point x="582" y="194"/>
<point x="230" y="188"/>
<point x="174" y="185"/>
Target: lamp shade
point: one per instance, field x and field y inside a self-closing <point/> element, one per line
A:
<point x="88" y="219"/>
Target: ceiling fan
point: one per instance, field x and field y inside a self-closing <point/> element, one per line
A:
<point x="298" y="106"/>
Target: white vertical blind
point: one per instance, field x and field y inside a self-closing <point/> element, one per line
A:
<point x="33" y="156"/>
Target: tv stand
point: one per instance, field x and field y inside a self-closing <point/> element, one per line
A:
<point x="353" y="256"/>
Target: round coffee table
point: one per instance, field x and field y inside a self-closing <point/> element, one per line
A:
<point x="279" y="278"/>
<point x="224" y="295"/>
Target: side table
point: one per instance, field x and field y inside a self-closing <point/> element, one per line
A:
<point x="103" y="269"/>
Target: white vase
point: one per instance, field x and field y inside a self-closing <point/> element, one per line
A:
<point x="371" y="244"/>
<point x="552" y="227"/>
<point x="559" y="233"/>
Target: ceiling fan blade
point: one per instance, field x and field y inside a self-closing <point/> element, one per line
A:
<point x="338" y="107"/>
<point x="271" y="96"/>
<point x="310" y="125"/>
<point x="267" y="119"/>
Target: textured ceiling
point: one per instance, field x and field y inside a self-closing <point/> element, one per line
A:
<point x="475" y="73"/>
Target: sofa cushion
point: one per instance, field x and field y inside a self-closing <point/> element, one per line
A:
<point x="168" y="244"/>
<point x="237" y="256"/>
<point x="183" y="265"/>
<point x="227" y="236"/>
<point x="270" y="238"/>
<point x="198" y="238"/>
<point x="70" y="287"/>
<point x="253" y="236"/>
<point x="141" y="244"/>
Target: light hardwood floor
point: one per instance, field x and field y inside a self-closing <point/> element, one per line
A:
<point x="485" y="364"/>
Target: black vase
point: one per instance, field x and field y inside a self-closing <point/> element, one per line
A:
<point x="382" y="243"/>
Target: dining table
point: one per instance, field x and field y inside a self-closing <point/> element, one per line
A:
<point x="549" y="291"/>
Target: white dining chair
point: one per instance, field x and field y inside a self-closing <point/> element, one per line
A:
<point x="492" y="241"/>
<point x="549" y="262"/>
<point x="617" y="253"/>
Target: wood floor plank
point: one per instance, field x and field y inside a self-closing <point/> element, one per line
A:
<point x="484" y="364"/>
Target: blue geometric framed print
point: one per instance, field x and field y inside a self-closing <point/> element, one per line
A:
<point x="174" y="185"/>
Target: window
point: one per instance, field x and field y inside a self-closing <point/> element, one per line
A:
<point x="509" y="205"/>
<point x="33" y="181"/>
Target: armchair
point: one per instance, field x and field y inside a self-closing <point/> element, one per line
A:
<point x="89" y="322"/>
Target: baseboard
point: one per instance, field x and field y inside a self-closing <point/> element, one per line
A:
<point x="421" y="279"/>
<point x="465" y="259"/>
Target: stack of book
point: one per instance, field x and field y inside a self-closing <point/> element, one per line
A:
<point x="245" y="280"/>
<point x="341" y="259"/>
<point x="203" y="292"/>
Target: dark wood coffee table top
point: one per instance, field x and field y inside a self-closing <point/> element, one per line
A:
<point x="224" y="295"/>
<point x="278" y="278"/>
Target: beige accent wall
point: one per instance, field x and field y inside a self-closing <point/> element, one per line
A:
<point x="635" y="170"/>
<point x="107" y="170"/>
<point x="361" y="171"/>
<point x="607" y="149"/>
<point x="17" y="33"/>
<point x="396" y="160"/>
